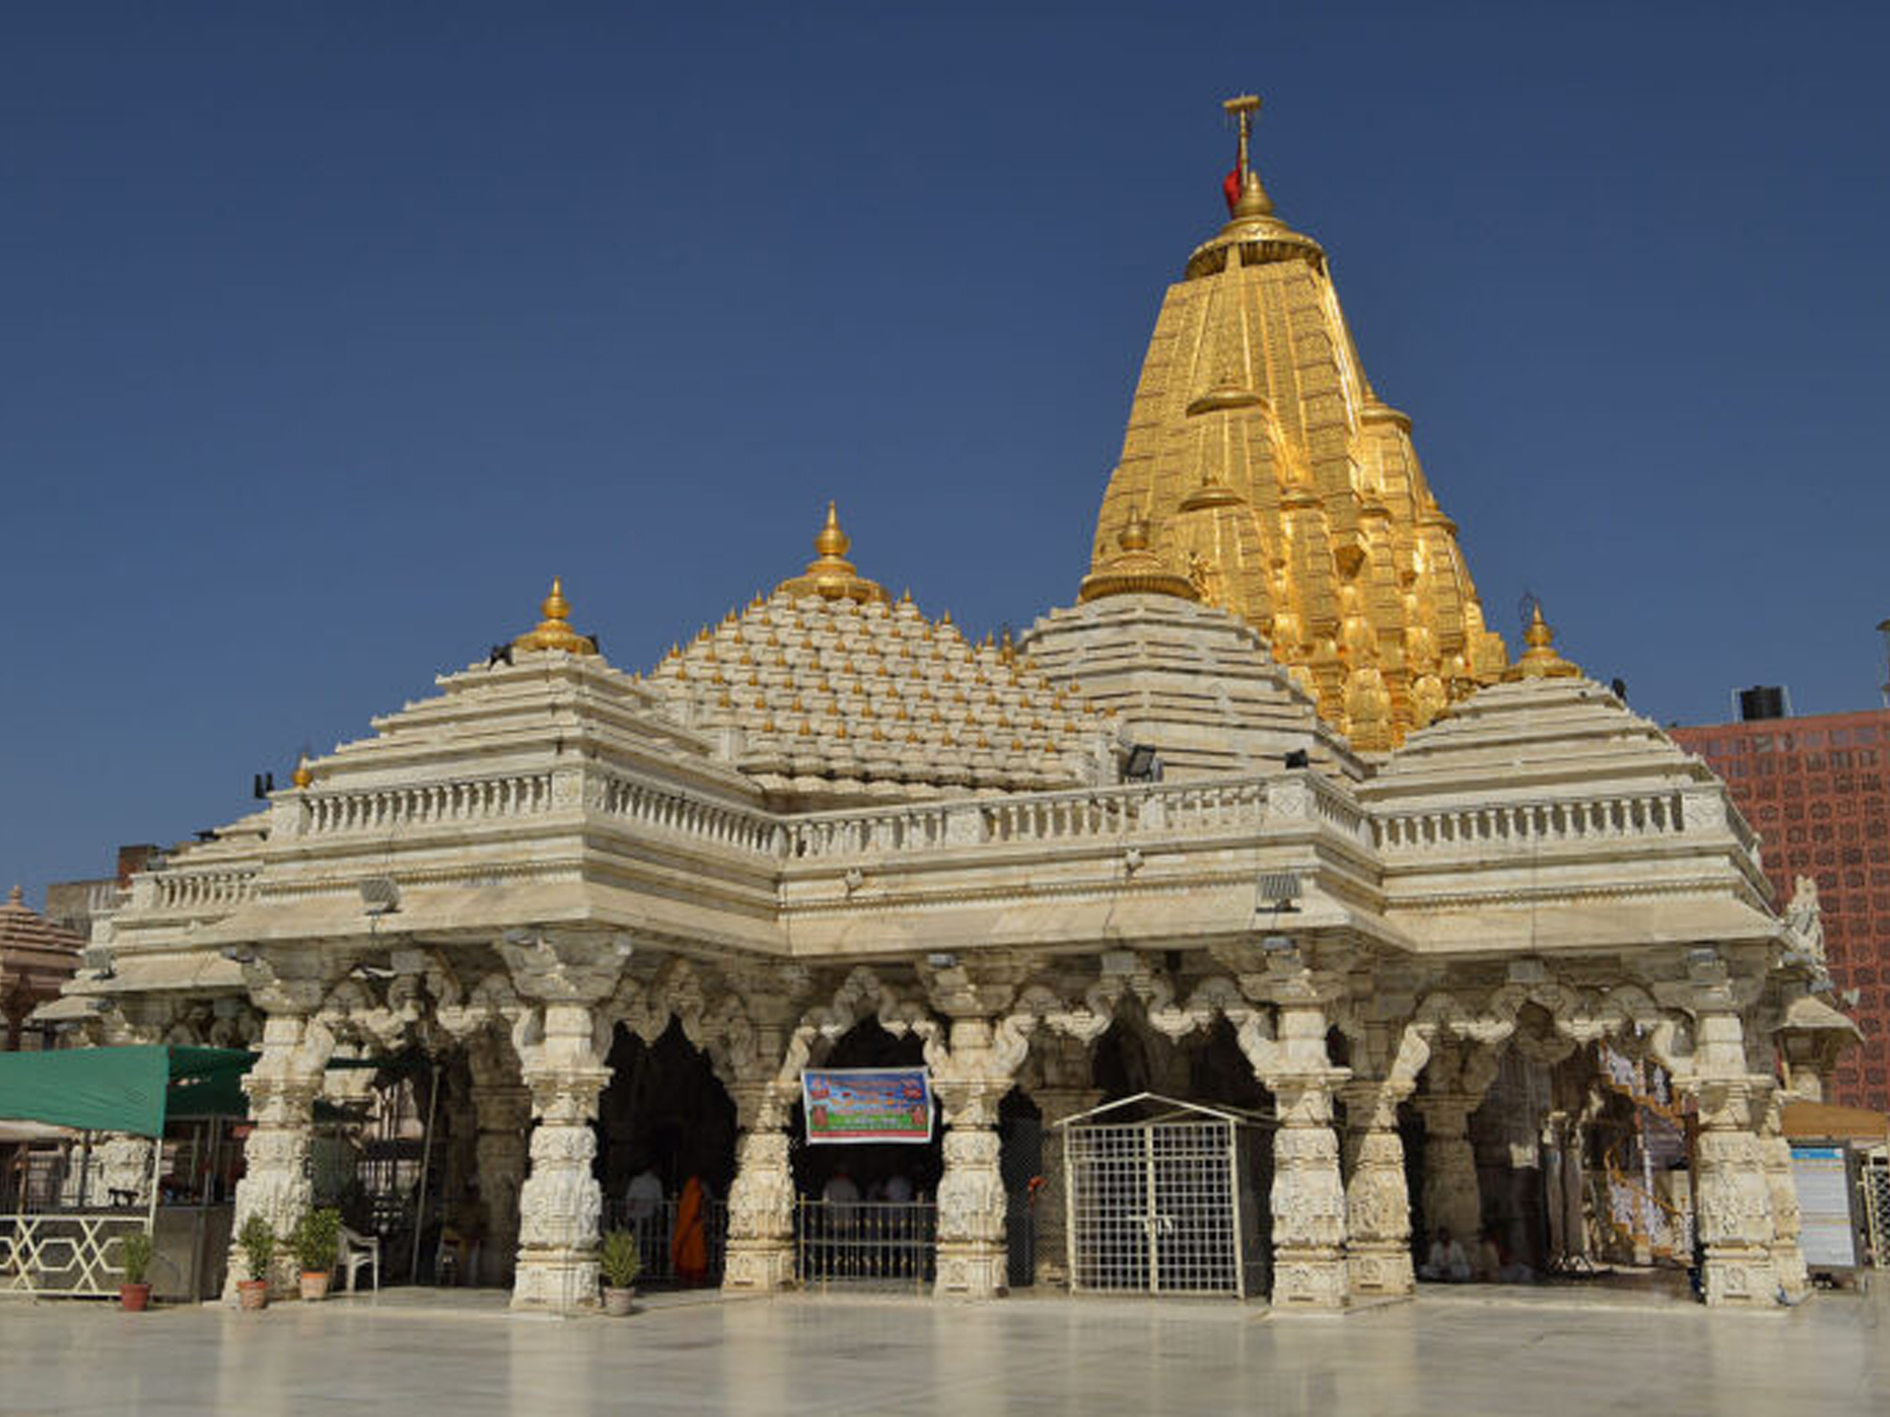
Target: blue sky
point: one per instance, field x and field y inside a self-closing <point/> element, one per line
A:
<point x="332" y="332"/>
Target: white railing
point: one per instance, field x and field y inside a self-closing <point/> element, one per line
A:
<point x="1531" y="824"/>
<point x="1099" y="814"/>
<point x="429" y="804"/>
<point x="665" y="809"/>
<point x="197" y="890"/>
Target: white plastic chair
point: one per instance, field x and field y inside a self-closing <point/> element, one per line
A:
<point x="358" y="1250"/>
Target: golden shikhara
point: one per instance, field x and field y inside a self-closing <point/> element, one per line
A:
<point x="1273" y="479"/>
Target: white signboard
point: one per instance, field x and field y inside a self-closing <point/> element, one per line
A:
<point x="1825" y="1234"/>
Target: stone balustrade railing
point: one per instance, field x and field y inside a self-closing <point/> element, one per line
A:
<point x="646" y="805"/>
<point x="1531" y="825"/>
<point x="428" y="804"/>
<point x="215" y="889"/>
<point x="1099" y="814"/>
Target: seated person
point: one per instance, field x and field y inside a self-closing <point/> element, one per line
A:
<point x="1446" y="1259"/>
<point x="1486" y="1260"/>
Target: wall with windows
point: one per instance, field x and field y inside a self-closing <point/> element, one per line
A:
<point x="1817" y="789"/>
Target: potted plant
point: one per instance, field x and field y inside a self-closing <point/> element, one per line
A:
<point x="258" y="1244"/>
<point x="134" y="1255"/>
<point x="316" y="1242"/>
<point x="621" y="1261"/>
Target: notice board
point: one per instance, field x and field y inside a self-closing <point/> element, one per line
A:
<point x="1826" y="1234"/>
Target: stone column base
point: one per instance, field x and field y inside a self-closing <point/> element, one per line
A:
<point x="556" y="1279"/>
<point x="1308" y="1283"/>
<point x="972" y="1269"/>
<point x="1788" y="1264"/>
<point x="1381" y="1272"/>
<point x="758" y="1266"/>
<point x="1741" y="1279"/>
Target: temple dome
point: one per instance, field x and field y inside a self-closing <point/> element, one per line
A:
<point x="838" y="694"/>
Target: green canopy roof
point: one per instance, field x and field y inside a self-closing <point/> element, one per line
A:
<point x="129" y="1089"/>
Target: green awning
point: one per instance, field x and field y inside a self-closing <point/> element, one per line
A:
<point x="128" y="1089"/>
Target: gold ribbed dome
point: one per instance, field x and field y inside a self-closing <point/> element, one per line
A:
<point x="1135" y="570"/>
<point x="1540" y="660"/>
<point x="830" y="575"/>
<point x="554" y="631"/>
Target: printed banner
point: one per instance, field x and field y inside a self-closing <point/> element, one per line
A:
<point x="867" y="1104"/>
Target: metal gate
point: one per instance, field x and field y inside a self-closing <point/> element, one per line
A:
<point x="1162" y="1198"/>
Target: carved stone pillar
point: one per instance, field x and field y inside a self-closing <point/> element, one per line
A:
<point x="561" y="1202"/>
<point x="1452" y="1199"/>
<point x="502" y="1117"/>
<point x="1049" y="1215"/>
<point x="1731" y="1195"/>
<point x="1309" y="1264"/>
<point x="1775" y="1154"/>
<point x="973" y="1261"/>
<point x="282" y="1088"/>
<point x="761" y="1198"/>
<point x="1377" y="1202"/>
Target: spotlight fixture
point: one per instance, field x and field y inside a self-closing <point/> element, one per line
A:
<point x="379" y="895"/>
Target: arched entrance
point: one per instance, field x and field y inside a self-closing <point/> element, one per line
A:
<point x="666" y="1154"/>
<point x="866" y="1213"/>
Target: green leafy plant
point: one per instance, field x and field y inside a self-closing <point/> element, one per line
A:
<point x="134" y="1255"/>
<point x="621" y="1260"/>
<point x="317" y="1240"/>
<point x="258" y="1244"/>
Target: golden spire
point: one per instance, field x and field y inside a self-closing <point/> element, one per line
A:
<point x="1540" y="661"/>
<point x="303" y="776"/>
<point x="1135" y="570"/>
<point x="830" y="575"/>
<point x="554" y="631"/>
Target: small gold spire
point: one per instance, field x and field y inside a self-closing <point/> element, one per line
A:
<point x="554" y="631"/>
<point x="830" y="576"/>
<point x="1540" y="661"/>
<point x="1136" y="570"/>
<point x="303" y="776"/>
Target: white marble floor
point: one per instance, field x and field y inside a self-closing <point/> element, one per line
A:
<point x="1458" y="1354"/>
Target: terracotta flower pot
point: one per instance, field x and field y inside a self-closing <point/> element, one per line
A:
<point x="617" y="1301"/>
<point x="134" y="1298"/>
<point x="314" y="1284"/>
<point x="252" y="1294"/>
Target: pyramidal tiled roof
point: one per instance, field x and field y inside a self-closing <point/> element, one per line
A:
<point x="34" y="953"/>
<point x="839" y="698"/>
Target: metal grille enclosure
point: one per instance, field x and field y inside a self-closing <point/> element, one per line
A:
<point x="1163" y="1197"/>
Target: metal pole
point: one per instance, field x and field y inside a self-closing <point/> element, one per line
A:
<point x="85" y="1166"/>
<point x="426" y="1161"/>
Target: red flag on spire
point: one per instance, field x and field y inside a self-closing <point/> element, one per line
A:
<point x="1230" y="189"/>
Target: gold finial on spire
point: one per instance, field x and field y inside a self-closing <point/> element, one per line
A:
<point x="1249" y="198"/>
<point x="303" y="776"/>
<point x="1135" y="570"/>
<point x="554" y="631"/>
<point x="830" y="575"/>
<point x="1540" y="661"/>
<point x="1253" y="234"/>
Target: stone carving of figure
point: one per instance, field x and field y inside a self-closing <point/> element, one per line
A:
<point x="1805" y="917"/>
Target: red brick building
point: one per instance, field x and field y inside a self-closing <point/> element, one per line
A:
<point x="1817" y="789"/>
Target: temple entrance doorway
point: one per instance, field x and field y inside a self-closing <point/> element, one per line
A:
<point x="666" y="1156"/>
<point x="1167" y="1193"/>
<point x="866" y="1213"/>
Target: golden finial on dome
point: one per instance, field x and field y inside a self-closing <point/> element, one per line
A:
<point x="1135" y="570"/>
<point x="1540" y="661"/>
<point x="830" y="576"/>
<point x="303" y="776"/>
<point x="554" y="631"/>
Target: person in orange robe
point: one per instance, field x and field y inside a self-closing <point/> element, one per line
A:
<point x="689" y="1245"/>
